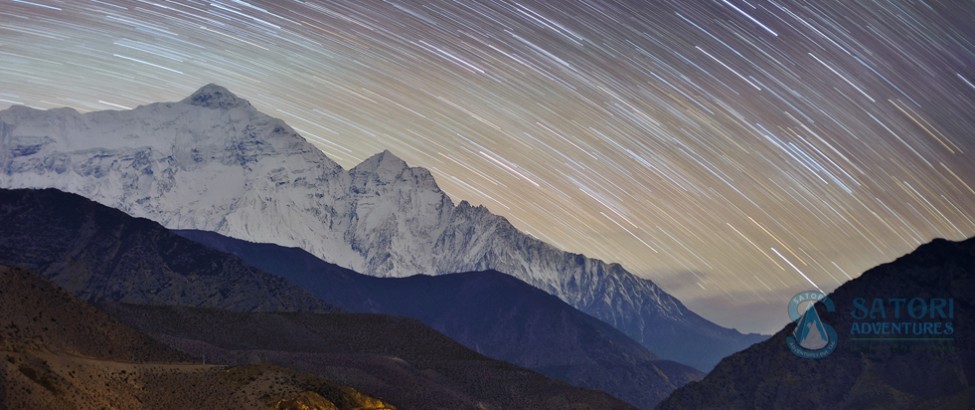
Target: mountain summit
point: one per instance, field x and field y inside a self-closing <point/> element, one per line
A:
<point x="385" y="168"/>
<point x="216" y="97"/>
<point x="213" y="162"/>
<point x="384" y="162"/>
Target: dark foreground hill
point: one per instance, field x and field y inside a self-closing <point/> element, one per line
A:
<point x="58" y="352"/>
<point x="490" y="312"/>
<point x="398" y="359"/>
<point x="861" y="374"/>
<point x="101" y="254"/>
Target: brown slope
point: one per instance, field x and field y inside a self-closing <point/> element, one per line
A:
<point x="35" y="315"/>
<point x="58" y="352"/>
<point x="396" y="358"/>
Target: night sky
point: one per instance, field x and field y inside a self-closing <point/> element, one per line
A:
<point x="733" y="151"/>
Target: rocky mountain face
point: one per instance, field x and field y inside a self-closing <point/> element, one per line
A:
<point x="212" y="162"/>
<point x="58" y="352"/>
<point x="101" y="254"/>
<point x="490" y="312"/>
<point x="871" y="367"/>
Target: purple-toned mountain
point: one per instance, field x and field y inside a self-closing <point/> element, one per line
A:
<point x="213" y="162"/>
<point x="490" y="312"/>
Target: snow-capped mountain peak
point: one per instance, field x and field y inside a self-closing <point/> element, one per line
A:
<point x="215" y="97"/>
<point x="385" y="168"/>
<point x="213" y="162"/>
<point x="384" y="164"/>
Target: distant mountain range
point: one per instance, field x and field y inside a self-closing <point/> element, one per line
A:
<point x="58" y="352"/>
<point x="492" y="313"/>
<point x="906" y="373"/>
<point x="165" y="281"/>
<point x="212" y="162"/>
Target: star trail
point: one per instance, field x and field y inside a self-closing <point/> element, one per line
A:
<point x="733" y="151"/>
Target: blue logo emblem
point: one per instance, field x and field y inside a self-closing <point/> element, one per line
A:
<point x="811" y="338"/>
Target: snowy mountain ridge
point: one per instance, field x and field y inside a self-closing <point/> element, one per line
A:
<point x="213" y="162"/>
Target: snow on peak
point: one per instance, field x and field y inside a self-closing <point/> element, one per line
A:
<point x="383" y="166"/>
<point x="382" y="162"/>
<point x="215" y="96"/>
